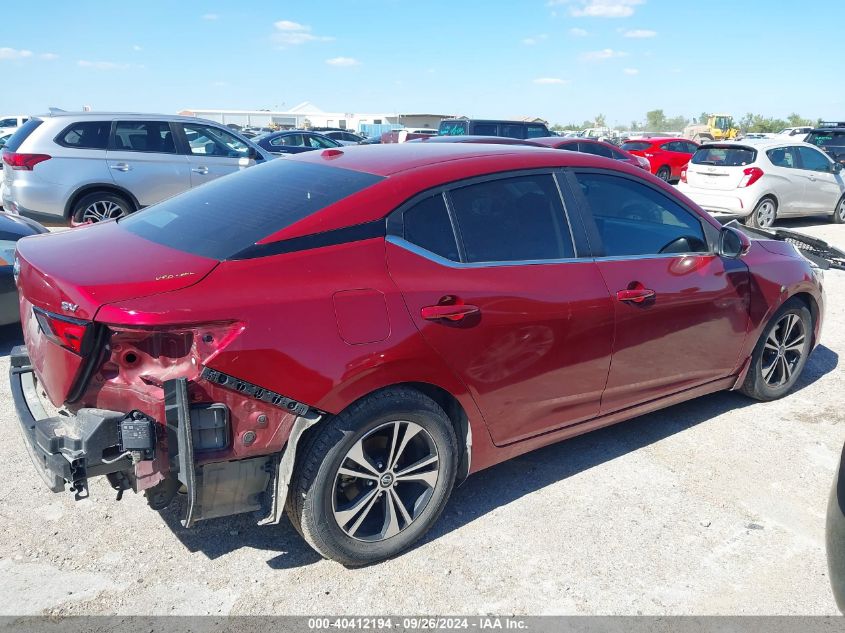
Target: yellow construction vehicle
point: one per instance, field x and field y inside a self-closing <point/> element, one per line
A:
<point x="720" y="127"/>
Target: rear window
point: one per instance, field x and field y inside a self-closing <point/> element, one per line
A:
<point x="827" y="139"/>
<point x="21" y="134"/>
<point x="221" y="218"/>
<point x="452" y="128"/>
<point x="724" y="156"/>
<point x="636" y="146"/>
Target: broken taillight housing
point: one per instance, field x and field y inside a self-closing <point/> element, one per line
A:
<point x="64" y="331"/>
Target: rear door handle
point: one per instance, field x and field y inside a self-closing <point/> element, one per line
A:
<point x="200" y="170"/>
<point x="120" y="167"/>
<point x="635" y="295"/>
<point x="455" y="312"/>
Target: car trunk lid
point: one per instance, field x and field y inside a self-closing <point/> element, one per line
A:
<point x="66" y="277"/>
<point x="719" y="167"/>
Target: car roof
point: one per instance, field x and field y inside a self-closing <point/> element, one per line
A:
<point x="657" y="139"/>
<point x="473" y="138"/>
<point x="757" y="143"/>
<point x="132" y="116"/>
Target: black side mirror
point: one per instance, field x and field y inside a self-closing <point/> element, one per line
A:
<point x="733" y="243"/>
<point x="837" y="167"/>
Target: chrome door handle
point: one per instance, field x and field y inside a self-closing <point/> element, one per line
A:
<point x="120" y="167"/>
<point x="200" y="170"/>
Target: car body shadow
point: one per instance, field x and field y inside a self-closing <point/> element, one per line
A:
<point x="10" y="336"/>
<point x="498" y="485"/>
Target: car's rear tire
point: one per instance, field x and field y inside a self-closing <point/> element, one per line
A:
<point x="839" y="212"/>
<point x="781" y="353"/>
<point x="764" y="214"/>
<point x="99" y="206"/>
<point x="664" y="173"/>
<point x="373" y="479"/>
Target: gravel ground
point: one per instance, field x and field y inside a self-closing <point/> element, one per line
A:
<point x="715" y="506"/>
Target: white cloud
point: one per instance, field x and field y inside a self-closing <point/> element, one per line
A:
<point x="220" y="84"/>
<point x="631" y="71"/>
<point x="13" y="53"/>
<point x="343" y="62"/>
<point x="576" y="32"/>
<point x="48" y="56"/>
<point x="551" y="81"/>
<point x="137" y="48"/>
<point x="293" y="33"/>
<point x="83" y="63"/>
<point x="599" y="8"/>
<point x="531" y="41"/>
<point x="602" y="55"/>
<point x="210" y="16"/>
<point x="640" y="34"/>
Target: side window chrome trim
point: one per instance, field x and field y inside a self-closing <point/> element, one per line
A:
<point x="437" y="259"/>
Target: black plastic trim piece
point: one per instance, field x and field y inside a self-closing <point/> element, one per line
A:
<point x="178" y="417"/>
<point x="254" y="391"/>
<point x="356" y="233"/>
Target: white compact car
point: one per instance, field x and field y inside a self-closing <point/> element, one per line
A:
<point x="762" y="180"/>
<point x="11" y="122"/>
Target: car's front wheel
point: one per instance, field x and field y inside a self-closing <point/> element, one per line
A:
<point x="781" y="353"/>
<point x="374" y="478"/>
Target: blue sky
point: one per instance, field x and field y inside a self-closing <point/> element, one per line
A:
<point x="563" y="60"/>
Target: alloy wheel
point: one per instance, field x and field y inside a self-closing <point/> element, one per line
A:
<point x="101" y="210"/>
<point x="765" y="214"/>
<point x="783" y="350"/>
<point x="385" y="481"/>
<point x="840" y="210"/>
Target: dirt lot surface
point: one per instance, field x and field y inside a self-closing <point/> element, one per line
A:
<point x="715" y="506"/>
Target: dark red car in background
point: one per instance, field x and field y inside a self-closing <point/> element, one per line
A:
<point x="597" y="148"/>
<point x="345" y="334"/>
<point x="667" y="155"/>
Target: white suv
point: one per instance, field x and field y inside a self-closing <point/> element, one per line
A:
<point x="11" y="122"/>
<point x="92" y="166"/>
<point x="761" y="180"/>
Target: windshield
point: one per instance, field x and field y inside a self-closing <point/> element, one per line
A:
<point x="724" y="156"/>
<point x="452" y="128"/>
<point x="637" y="146"/>
<point x="221" y="218"/>
<point x="827" y="139"/>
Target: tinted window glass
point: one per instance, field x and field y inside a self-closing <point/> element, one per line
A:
<point x="827" y="139"/>
<point x="21" y="134"/>
<point x="512" y="219"/>
<point x="452" y="128"/>
<point x="486" y="129"/>
<point x="291" y="140"/>
<point x="783" y="157"/>
<point x="227" y="215"/>
<point x="637" y="146"/>
<point x="724" y="156"/>
<point x="143" y="136"/>
<point x="512" y="131"/>
<point x="596" y="149"/>
<point x="206" y="140"/>
<point x="814" y="160"/>
<point x="86" y="135"/>
<point x="13" y="122"/>
<point x="427" y="225"/>
<point x="536" y="131"/>
<point x="634" y="219"/>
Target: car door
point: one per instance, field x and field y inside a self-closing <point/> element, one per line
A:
<point x="143" y="159"/>
<point x="681" y="310"/>
<point x="675" y="156"/>
<point x="516" y="315"/>
<point x="213" y="152"/>
<point x="825" y="186"/>
<point x="787" y="181"/>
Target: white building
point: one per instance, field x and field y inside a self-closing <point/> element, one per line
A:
<point x="306" y="114"/>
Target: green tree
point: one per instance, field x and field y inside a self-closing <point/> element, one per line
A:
<point x="703" y="117"/>
<point x="600" y="121"/>
<point x="655" y="120"/>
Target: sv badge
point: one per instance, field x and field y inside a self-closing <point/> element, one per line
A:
<point x="67" y="306"/>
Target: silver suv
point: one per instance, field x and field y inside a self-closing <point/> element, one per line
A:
<point x="92" y="166"/>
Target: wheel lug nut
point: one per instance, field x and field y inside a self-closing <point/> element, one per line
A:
<point x="380" y="466"/>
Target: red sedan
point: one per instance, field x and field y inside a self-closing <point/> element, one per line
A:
<point x="345" y="334"/>
<point x="591" y="146"/>
<point x="667" y="155"/>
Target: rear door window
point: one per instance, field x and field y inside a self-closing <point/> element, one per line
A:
<point x="85" y="135"/>
<point x="512" y="219"/>
<point x="512" y="131"/>
<point x="428" y="226"/>
<point x="225" y="216"/>
<point x="207" y="140"/>
<point x="536" y="131"/>
<point x="143" y="136"/>
<point x="486" y="129"/>
<point x="784" y="157"/>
